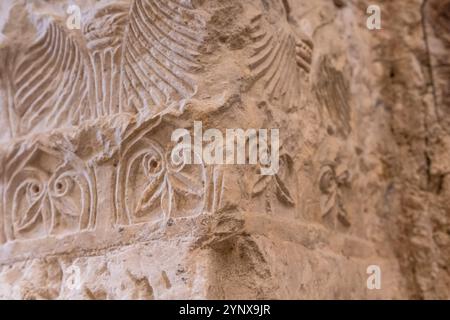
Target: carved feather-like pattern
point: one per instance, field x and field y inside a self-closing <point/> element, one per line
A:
<point x="104" y="34"/>
<point x="51" y="82"/>
<point x="277" y="60"/>
<point x="332" y="91"/>
<point x="134" y="57"/>
<point x="160" y="53"/>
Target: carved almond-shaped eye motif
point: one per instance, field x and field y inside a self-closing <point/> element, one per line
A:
<point x="25" y="215"/>
<point x="28" y="199"/>
<point x="61" y="198"/>
<point x="331" y="180"/>
<point x="48" y="203"/>
<point x="328" y="187"/>
<point x="62" y="186"/>
<point x="34" y="191"/>
<point x="152" y="164"/>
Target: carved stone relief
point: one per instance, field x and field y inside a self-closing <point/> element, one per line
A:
<point x="150" y="187"/>
<point x="281" y="56"/>
<point x="333" y="94"/>
<point x="88" y="182"/>
<point x="122" y="61"/>
<point x="47" y="192"/>
<point x="331" y="180"/>
<point x="279" y="187"/>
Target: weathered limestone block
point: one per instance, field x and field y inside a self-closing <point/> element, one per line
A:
<point x="95" y="207"/>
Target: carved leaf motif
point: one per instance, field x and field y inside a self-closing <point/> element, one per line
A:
<point x="332" y="91"/>
<point x="278" y="57"/>
<point x="104" y="34"/>
<point x="261" y="185"/>
<point x="283" y="193"/>
<point x="66" y="206"/>
<point x="330" y="200"/>
<point x="45" y="195"/>
<point x="185" y="184"/>
<point x="50" y="81"/>
<point x="31" y="214"/>
<point x="137" y="56"/>
<point x="162" y="190"/>
<point x="167" y="201"/>
<point x="162" y="42"/>
<point x="328" y="203"/>
<point x="152" y="192"/>
<point x="185" y="187"/>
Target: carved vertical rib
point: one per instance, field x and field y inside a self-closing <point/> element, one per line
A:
<point x="104" y="35"/>
<point x="7" y="93"/>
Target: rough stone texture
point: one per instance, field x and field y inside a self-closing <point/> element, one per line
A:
<point x="86" y="120"/>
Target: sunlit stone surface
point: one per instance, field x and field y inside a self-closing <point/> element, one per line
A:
<point x="92" y="207"/>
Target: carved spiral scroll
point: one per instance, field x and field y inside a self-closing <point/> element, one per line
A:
<point x="45" y="195"/>
<point x="150" y="188"/>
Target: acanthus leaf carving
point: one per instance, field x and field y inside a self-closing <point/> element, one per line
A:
<point x="331" y="203"/>
<point x="332" y="91"/>
<point x="133" y="57"/>
<point x="50" y="81"/>
<point x="150" y="187"/>
<point x="160" y="52"/>
<point x="45" y="194"/>
<point x="279" y="58"/>
<point x="277" y="183"/>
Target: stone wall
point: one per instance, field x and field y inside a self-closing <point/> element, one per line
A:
<point x="94" y="207"/>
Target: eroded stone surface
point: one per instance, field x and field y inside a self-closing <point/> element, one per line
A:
<point x="87" y="117"/>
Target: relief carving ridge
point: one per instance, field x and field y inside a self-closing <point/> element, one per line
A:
<point x="138" y="57"/>
<point x="280" y="59"/>
<point x="45" y="194"/>
<point x="150" y="188"/>
<point x="224" y="149"/>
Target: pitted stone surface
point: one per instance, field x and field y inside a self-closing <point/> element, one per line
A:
<point x="93" y="208"/>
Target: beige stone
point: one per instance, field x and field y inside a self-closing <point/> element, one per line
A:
<point x="93" y="207"/>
